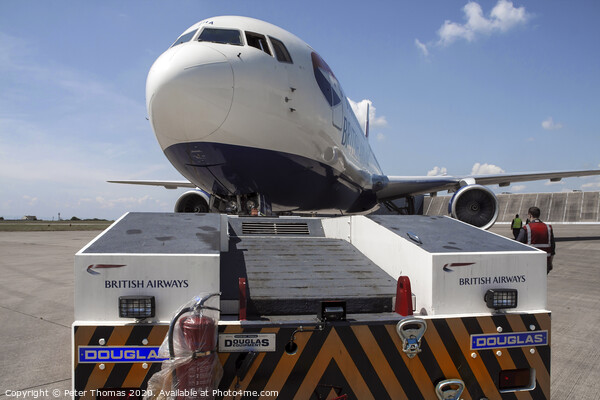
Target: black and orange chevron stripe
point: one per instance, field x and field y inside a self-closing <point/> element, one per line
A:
<point x="358" y="360"/>
<point x="94" y="376"/>
<point x="367" y="361"/>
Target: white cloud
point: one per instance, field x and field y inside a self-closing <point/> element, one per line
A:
<point x="591" y="185"/>
<point x="127" y="202"/>
<point x="61" y="148"/>
<point x="518" y="188"/>
<point x="436" y="171"/>
<point x="486" y="169"/>
<point x="31" y="201"/>
<point x="380" y="137"/>
<point x="422" y="47"/>
<point x="360" y="110"/>
<point x="503" y="17"/>
<point x="550" y="125"/>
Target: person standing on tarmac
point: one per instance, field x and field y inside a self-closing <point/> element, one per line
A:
<point x="516" y="226"/>
<point x="538" y="234"/>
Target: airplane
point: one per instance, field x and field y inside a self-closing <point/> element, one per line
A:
<point x="258" y="123"/>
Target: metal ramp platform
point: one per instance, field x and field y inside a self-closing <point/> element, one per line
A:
<point x="291" y="267"/>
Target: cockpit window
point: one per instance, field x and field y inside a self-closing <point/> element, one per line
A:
<point x="186" y="37"/>
<point x="281" y="53"/>
<point x="259" y="41"/>
<point x="326" y="80"/>
<point x="225" y="36"/>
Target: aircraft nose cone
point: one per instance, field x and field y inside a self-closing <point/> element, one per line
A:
<point x="189" y="92"/>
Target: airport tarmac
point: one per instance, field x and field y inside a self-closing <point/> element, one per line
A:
<point x="36" y="311"/>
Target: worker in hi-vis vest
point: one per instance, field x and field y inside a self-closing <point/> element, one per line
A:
<point x="539" y="235"/>
<point x="516" y="226"/>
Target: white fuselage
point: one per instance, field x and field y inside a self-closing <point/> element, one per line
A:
<point x="237" y="115"/>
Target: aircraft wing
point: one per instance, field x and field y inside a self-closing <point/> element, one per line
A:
<point x="393" y="187"/>
<point x="165" y="184"/>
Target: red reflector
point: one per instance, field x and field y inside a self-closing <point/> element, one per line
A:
<point x="516" y="379"/>
<point x="404" y="304"/>
<point x="120" y="394"/>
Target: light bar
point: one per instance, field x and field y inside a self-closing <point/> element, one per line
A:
<point x="138" y="307"/>
<point x="501" y="298"/>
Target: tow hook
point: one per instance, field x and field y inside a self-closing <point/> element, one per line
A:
<point x="411" y="330"/>
<point x="450" y="389"/>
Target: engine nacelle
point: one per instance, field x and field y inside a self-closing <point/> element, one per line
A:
<point x="193" y="201"/>
<point x="476" y="205"/>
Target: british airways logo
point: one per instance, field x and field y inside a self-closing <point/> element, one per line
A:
<point x="92" y="268"/>
<point x="135" y="283"/>
<point x="448" y="267"/>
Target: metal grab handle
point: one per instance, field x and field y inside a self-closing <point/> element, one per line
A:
<point x="411" y="338"/>
<point x="450" y="389"/>
<point x="414" y="237"/>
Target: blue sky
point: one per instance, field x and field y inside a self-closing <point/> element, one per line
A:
<point x="457" y="87"/>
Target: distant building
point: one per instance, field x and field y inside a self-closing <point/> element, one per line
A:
<point x="558" y="207"/>
<point x="29" y="218"/>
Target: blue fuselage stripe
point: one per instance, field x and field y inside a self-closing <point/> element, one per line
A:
<point x="283" y="178"/>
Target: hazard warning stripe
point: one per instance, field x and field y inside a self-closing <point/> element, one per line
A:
<point x="286" y="363"/>
<point x="306" y="356"/>
<point x="510" y="358"/>
<point x="359" y="357"/>
<point x="115" y="375"/>
<point x="243" y="385"/>
<point x="115" y="372"/>
<point x="394" y="359"/>
<point x="378" y="361"/>
<point x="223" y="357"/>
<point x="98" y="377"/>
<point x="260" y="366"/>
<point x="433" y="343"/>
<point x="490" y="361"/>
<point x="414" y="365"/>
<point x="83" y="372"/>
<point x="133" y="374"/>
<point x="368" y="362"/>
<point x="274" y="361"/>
<point x="360" y="361"/>
<point x="535" y="360"/>
<point x="518" y="357"/>
<point x="430" y="363"/>
<point x="471" y="381"/>
<point x="266" y="364"/>
<point x="325" y="358"/>
<point x="524" y="358"/>
<point x="543" y="321"/>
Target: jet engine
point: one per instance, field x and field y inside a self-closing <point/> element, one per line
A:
<point x="193" y="201"/>
<point x="474" y="204"/>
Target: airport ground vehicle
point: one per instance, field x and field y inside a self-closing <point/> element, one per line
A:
<point x="414" y="307"/>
